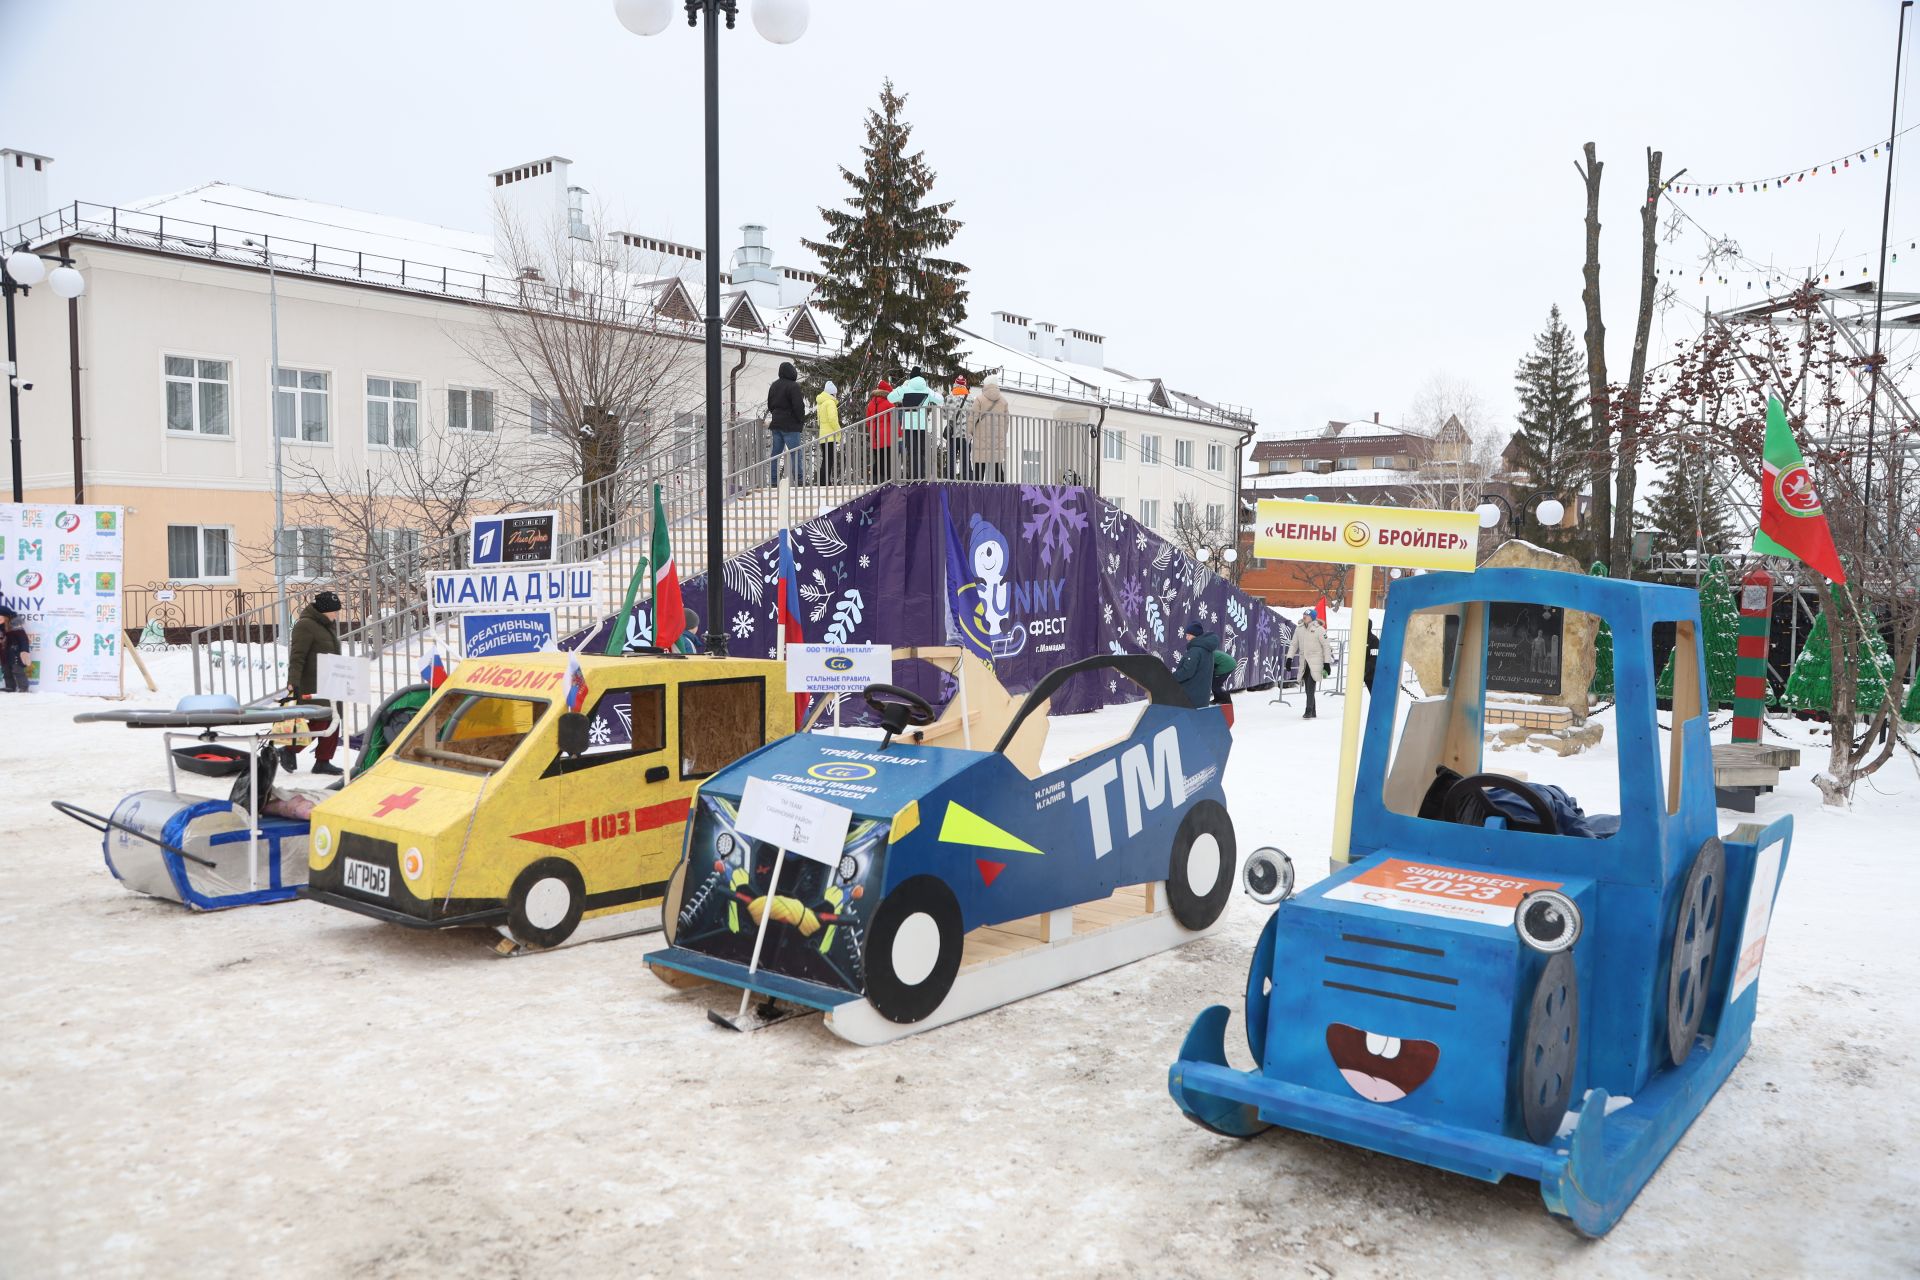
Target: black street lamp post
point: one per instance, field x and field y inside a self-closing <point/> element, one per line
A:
<point x="21" y="271"/>
<point x="782" y="22"/>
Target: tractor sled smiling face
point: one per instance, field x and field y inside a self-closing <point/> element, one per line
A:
<point x="1496" y="962"/>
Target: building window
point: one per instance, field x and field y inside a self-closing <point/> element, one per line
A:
<point x="469" y="409"/>
<point x="304" y="553"/>
<point x="1114" y="449"/>
<point x="198" y="392"/>
<point x="200" y="553"/>
<point x="1347" y="464"/>
<point x="1150" y="512"/>
<point x="1183" y="515"/>
<point x="300" y="405"/>
<point x="1183" y="453"/>
<point x="396" y="547"/>
<point x="1216" y="512"/>
<point x="393" y="413"/>
<point x="544" y="416"/>
<point x="1150" y="451"/>
<point x="1216" y="457"/>
<point x="1384" y="463"/>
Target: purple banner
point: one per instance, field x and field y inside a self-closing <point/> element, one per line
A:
<point x="1056" y="574"/>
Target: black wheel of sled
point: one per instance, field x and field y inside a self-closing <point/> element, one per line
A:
<point x="1205" y="829"/>
<point x="544" y="906"/>
<point x="1551" y="1048"/>
<point x="1696" y="934"/>
<point x="913" y="949"/>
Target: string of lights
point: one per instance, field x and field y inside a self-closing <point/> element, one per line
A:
<point x="1845" y="162"/>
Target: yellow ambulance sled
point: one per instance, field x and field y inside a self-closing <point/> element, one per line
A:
<point x="498" y="807"/>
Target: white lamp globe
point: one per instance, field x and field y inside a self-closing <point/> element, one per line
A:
<point x="1230" y="555"/>
<point x="781" y="21"/>
<point x="1489" y="515"/>
<point x="26" y="268"/>
<point x="644" y="17"/>
<point x="1550" y="512"/>
<point x="66" y="282"/>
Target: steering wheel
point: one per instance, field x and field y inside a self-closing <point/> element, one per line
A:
<point x="1468" y="803"/>
<point x="897" y="707"/>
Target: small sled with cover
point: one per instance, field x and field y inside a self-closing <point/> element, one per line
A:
<point x="200" y="851"/>
<point x="1499" y="984"/>
<point x="970" y="876"/>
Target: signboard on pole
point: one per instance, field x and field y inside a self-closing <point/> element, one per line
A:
<point x="1348" y="533"/>
<point x="465" y="590"/>
<point x="1362" y="536"/>
<point x="340" y="678"/>
<point x="526" y="537"/>
<point x="491" y="635"/>
<point x="837" y="668"/>
<point x="60" y="572"/>
<point x="802" y="824"/>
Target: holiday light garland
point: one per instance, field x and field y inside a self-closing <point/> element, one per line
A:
<point x="1741" y="186"/>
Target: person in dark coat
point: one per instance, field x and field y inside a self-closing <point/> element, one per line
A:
<point x="1223" y="666"/>
<point x="314" y="634"/>
<point x="15" y="651"/>
<point x="1373" y="656"/>
<point x="1194" y="672"/>
<point x="787" y="420"/>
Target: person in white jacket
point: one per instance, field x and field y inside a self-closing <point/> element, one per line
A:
<point x="1309" y="645"/>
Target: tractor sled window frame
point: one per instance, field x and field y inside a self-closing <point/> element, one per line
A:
<point x="435" y="727"/>
<point x="715" y="735"/>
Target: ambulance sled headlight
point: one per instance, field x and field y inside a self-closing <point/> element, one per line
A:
<point x="1547" y="921"/>
<point x="1268" y="876"/>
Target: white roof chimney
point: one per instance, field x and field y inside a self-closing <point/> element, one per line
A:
<point x="753" y="268"/>
<point x="529" y="206"/>
<point x="24" y="186"/>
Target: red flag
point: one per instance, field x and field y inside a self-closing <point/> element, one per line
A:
<point x="669" y="614"/>
<point x="1320" y="610"/>
<point x="788" y="599"/>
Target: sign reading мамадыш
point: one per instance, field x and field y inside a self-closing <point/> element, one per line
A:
<point x="459" y="591"/>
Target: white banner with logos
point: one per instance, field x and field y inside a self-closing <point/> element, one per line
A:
<point x="60" y="571"/>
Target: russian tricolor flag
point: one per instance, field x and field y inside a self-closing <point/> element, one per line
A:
<point x="435" y="672"/>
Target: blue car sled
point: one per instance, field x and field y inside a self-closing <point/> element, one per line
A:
<point x="970" y="877"/>
<point x="1500" y="983"/>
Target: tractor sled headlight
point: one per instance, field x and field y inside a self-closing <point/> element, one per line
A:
<point x="1547" y="921"/>
<point x="1268" y="876"/>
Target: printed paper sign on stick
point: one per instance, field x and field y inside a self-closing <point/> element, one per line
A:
<point x="1753" y="933"/>
<point x="344" y="679"/>
<point x="802" y="824"/>
<point x="1439" y="891"/>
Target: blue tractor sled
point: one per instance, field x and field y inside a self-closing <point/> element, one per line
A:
<point x="1499" y="983"/>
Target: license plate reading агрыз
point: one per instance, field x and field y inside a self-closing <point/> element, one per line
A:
<point x="366" y="877"/>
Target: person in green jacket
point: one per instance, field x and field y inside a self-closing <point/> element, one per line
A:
<point x="1223" y="665"/>
<point x="826" y="412"/>
<point x="915" y="397"/>
<point x="314" y="634"/>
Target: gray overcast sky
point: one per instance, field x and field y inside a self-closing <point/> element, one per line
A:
<point x="1310" y="209"/>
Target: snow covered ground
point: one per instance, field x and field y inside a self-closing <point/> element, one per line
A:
<point x="296" y="1091"/>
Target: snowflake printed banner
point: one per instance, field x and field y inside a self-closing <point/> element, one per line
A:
<point x="1057" y="574"/>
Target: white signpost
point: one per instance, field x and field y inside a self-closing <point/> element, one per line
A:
<point x="834" y="669"/>
<point x="341" y="678"/>
<point x="815" y="829"/>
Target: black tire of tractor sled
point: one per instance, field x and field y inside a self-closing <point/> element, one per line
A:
<point x="1696" y="939"/>
<point x="525" y="931"/>
<point x="1550" y="1049"/>
<point x="1197" y="911"/>
<point x="895" y="1000"/>
<point x="675" y="896"/>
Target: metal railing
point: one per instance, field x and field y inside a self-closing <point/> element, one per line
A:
<point x="1239" y="417"/>
<point x="240" y="247"/>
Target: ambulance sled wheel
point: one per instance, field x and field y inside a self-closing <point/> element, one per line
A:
<point x="913" y="949"/>
<point x="1200" y="873"/>
<point x="1696" y="935"/>
<point x="544" y="907"/>
<point x="1551" y="1048"/>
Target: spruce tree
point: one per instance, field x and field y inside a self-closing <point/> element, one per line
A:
<point x="1719" y="634"/>
<point x="1602" y="684"/>
<point x="1910" y="709"/>
<point x="1686" y="506"/>
<point x="897" y="303"/>
<point x="1810" y="683"/>
<point x="1553" y="444"/>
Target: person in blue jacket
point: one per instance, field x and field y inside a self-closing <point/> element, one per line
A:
<point x="1194" y="672"/>
<point x="916" y="398"/>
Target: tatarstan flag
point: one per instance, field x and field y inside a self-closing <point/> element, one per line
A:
<point x="669" y="614"/>
<point x="1792" y="522"/>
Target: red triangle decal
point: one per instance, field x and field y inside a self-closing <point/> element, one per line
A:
<point x="567" y="835"/>
<point x="989" y="870"/>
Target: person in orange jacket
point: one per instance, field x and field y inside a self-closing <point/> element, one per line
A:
<point x="882" y="430"/>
